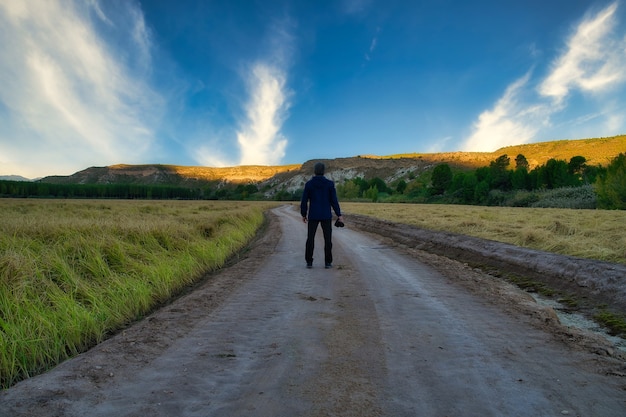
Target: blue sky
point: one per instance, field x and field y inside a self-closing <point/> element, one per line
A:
<point x="224" y="83"/>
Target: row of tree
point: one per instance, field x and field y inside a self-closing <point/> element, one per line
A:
<point x="480" y="186"/>
<point x="474" y="187"/>
<point x="23" y="189"/>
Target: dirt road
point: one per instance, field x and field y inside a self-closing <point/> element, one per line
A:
<point x="381" y="334"/>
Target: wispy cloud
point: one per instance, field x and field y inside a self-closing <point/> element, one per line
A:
<point x="373" y="45"/>
<point x="70" y="98"/>
<point x="510" y="121"/>
<point x="265" y="109"/>
<point x="592" y="63"/>
<point x="259" y="138"/>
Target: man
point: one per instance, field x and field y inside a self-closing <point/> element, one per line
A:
<point x="317" y="199"/>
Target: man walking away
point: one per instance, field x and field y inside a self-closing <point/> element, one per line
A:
<point x="317" y="199"/>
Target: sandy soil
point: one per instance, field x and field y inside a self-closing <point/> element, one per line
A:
<point x="391" y="330"/>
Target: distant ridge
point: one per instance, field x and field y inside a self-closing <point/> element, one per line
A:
<point x="169" y="174"/>
<point x="598" y="151"/>
<point x="14" y="178"/>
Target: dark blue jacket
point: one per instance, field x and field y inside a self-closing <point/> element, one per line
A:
<point x="322" y="195"/>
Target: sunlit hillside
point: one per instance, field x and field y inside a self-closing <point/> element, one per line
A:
<point x="598" y="151"/>
<point x="170" y="174"/>
<point x="245" y="173"/>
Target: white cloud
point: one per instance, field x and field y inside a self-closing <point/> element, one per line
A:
<point x="70" y="100"/>
<point x="260" y="140"/>
<point x="509" y="122"/>
<point x="258" y="132"/>
<point x="593" y="62"/>
<point x="594" y="59"/>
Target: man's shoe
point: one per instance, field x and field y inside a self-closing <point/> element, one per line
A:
<point x="309" y="265"/>
<point x="328" y="266"/>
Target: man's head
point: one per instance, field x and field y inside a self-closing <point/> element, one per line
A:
<point x="319" y="168"/>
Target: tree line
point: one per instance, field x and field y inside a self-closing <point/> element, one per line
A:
<point x="23" y="189"/>
<point x="505" y="182"/>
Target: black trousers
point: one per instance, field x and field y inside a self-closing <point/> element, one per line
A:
<point x="310" y="240"/>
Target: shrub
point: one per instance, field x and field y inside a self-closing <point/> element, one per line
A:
<point x="523" y="199"/>
<point x="497" y="198"/>
<point x="611" y="185"/>
<point x="568" y="197"/>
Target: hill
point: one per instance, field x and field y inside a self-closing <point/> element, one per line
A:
<point x="170" y="174"/>
<point x="597" y="151"/>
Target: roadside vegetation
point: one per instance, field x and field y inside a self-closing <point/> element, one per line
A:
<point x="74" y="271"/>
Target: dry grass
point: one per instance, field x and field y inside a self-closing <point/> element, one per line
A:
<point x="593" y="234"/>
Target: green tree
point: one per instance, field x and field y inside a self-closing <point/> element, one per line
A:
<point x="415" y="189"/>
<point x="555" y="174"/>
<point x="379" y="184"/>
<point x="469" y="188"/>
<point x="576" y="169"/>
<point x="441" y="179"/>
<point x="371" y="193"/>
<point x="457" y="182"/>
<point x="348" y="190"/>
<point x="520" y="180"/>
<point x="611" y="185"/>
<point x="481" y="192"/>
<point x="521" y="162"/>
<point x="401" y="187"/>
<point x="483" y="174"/>
<point x="464" y="186"/>
<point x="500" y="176"/>
<point x="362" y="184"/>
<point x="576" y="165"/>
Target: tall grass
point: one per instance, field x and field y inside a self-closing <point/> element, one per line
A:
<point x="72" y="272"/>
<point x="592" y="234"/>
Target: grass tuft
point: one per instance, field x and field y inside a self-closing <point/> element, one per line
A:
<point x="615" y="323"/>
